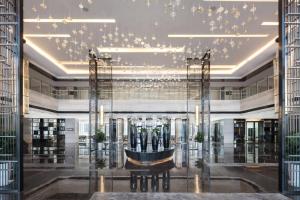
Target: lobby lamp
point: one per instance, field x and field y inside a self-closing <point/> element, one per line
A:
<point x="101" y="116"/>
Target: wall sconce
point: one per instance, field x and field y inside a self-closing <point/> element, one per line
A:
<point x="101" y="116"/>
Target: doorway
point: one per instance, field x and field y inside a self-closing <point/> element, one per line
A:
<point x="254" y="130"/>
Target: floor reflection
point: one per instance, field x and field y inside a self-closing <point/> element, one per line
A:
<point x="153" y="174"/>
<point x="244" y="153"/>
<point x="186" y="172"/>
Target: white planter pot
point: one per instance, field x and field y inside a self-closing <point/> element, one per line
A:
<point x="199" y="146"/>
<point x="199" y="150"/>
<point x="4" y="174"/>
<point x="294" y="173"/>
<point x="100" y="145"/>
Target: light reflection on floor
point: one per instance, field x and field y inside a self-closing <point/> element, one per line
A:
<point x="186" y="173"/>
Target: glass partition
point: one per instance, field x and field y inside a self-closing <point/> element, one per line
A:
<point x="134" y="90"/>
<point x="35" y="85"/>
<point x="270" y="82"/>
<point x="254" y="131"/>
<point x="11" y="97"/>
<point x="262" y="85"/>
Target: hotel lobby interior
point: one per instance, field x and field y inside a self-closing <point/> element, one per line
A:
<point x="149" y="99"/>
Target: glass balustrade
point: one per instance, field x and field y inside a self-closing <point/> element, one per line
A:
<point x="173" y="91"/>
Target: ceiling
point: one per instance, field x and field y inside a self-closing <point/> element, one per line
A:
<point x="147" y="24"/>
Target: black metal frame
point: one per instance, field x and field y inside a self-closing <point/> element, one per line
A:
<point x="93" y="100"/>
<point x="205" y="103"/>
<point x="204" y="62"/>
<point x="96" y="78"/>
<point x="204" y="72"/>
<point x="289" y="94"/>
<point x="11" y="94"/>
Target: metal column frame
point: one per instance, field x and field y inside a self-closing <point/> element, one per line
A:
<point x="93" y="100"/>
<point x="205" y="103"/>
<point x="289" y="96"/>
<point x="95" y="81"/>
<point x="11" y="99"/>
<point x="96" y="78"/>
<point x="204" y="64"/>
<point x="20" y="115"/>
<point x="204" y="67"/>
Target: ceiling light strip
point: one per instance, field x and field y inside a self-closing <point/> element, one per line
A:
<point x="113" y="66"/>
<point x="45" y="54"/>
<point x="148" y="72"/>
<point x="47" y="35"/>
<point x="140" y="50"/>
<point x="217" y="35"/>
<point x="243" y="0"/>
<point x="74" y="63"/>
<point x="214" y="66"/>
<point x="146" y="66"/>
<point x="269" y="23"/>
<point x="63" y="20"/>
<point x="255" y="54"/>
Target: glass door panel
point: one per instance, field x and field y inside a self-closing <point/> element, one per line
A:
<point x="250" y="132"/>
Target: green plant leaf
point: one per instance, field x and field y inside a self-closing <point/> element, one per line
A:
<point x="100" y="136"/>
<point x="199" y="137"/>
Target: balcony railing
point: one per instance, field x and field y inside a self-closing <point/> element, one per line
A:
<point x="174" y="93"/>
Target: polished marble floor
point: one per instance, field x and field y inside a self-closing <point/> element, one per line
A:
<point x="189" y="196"/>
<point x="187" y="173"/>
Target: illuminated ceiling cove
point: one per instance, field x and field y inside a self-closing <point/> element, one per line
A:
<point x="150" y="37"/>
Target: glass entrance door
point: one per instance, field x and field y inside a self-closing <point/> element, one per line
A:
<point x="254" y="129"/>
<point x="250" y="132"/>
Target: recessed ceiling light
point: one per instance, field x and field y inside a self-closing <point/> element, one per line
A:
<point x="140" y="50"/>
<point x="47" y="35"/>
<point x="74" y="63"/>
<point x="214" y="66"/>
<point x="270" y="24"/>
<point x="114" y="66"/>
<point x="146" y="72"/>
<point x="217" y="35"/>
<point x="243" y="0"/>
<point x="146" y="66"/>
<point x="137" y="66"/>
<point x="151" y="71"/>
<point x="37" y="20"/>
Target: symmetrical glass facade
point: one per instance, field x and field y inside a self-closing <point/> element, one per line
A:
<point x="150" y="134"/>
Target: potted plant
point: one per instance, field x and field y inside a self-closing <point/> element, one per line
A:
<point x="100" y="138"/>
<point x="292" y="149"/>
<point x="199" y="163"/>
<point x="199" y="138"/>
<point x="100" y="163"/>
<point x="7" y="147"/>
